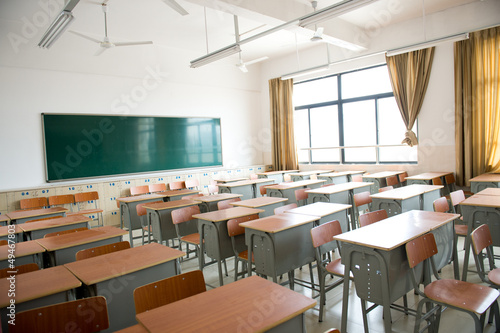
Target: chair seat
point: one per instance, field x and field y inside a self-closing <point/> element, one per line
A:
<point x="192" y="239"/>
<point x="461" y="229"/>
<point x="244" y="255"/>
<point x="494" y="276"/>
<point x="454" y="292"/>
<point x="337" y="268"/>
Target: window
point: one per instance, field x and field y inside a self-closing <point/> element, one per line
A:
<point x="353" y="109"/>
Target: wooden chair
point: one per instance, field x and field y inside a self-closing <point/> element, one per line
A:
<point x="452" y="185"/>
<point x="177" y="185"/>
<point x="254" y="176"/>
<point x="18" y="270"/>
<point x="323" y="243"/>
<point x="357" y="178"/>
<point x="263" y="190"/>
<point x="4" y="242"/>
<point x="362" y="203"/>
<point x="145" y="225"/>
<point x="64" y="232"/>
<point x="85" y="315"/>
<point x="326" y="185"/>
<point x="225" y="204"/>
<point x="33" y="203"/>
<point x="213" y="189"/>
<point x="436" y="181"/>
<point x="169" y="290"/>
<point x="372" y="217"/>
<point x="402" y="178"/>
<point x="456" y="197"/>
<point x="138" y="190"/>
<point x="481" y="241"/>
<point x="392" y="181"/>
<point x="62" y="200"/>
<point x="471" y="298"/>
<point x="301" y="196"/>
<point x="282" y="209"/>
<point x="158" y="187"/>
<point x="287" y="178"/>
<point x="441" y="205"/>
<point x="237" y="234"/>
<point x="386" y="188"/>
<point x="103" y="249"/>
<point x="184" y="215"/>
<point x="89" y="199"/>
<point x="192" y="184"/>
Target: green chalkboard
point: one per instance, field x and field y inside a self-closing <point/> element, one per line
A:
<point x="87" y="146"/>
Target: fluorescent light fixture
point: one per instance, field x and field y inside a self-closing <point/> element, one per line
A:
<point x="332" y="11"/>
<point x="56" y="29"/>
<point x="304" y="72"/>
<point x="216" y="55"/>
<point x="430" y="43"/>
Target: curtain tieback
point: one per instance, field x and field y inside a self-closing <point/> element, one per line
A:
<point x="410" y="138"/>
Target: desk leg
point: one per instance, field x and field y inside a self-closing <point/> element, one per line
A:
<point x="345" y="296"/>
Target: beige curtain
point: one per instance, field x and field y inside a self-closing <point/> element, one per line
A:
<point x="477" y="108"/>
<point x="409" y="73"/>
<point x="284" y="151"/>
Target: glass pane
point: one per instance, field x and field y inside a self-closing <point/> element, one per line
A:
<point x="316" y="91"/>
<point x="366" y="82"/>
<point x="301" y="130"/>
<point x="325" y="133"/>
<point x="360" y="130"/>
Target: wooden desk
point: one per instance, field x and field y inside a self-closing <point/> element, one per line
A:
<point x="268" y="204"/>
<point x="173" y="195"/>
<point x="116" y="275"/>
<point x="278" y="176"/>
<point x="326" y="212"/>
<point x="208" y="203"/>
<point x="11" y="229"/>
<point x="25" y="252"/>
<point x="21" y="216"/>
<point x="489" y="191"/>
<point x="339" y="177"/>
<point x="304" y="175"/>
<point x="36" y="230"/>
<point x="252" y="304"/>
<point x="406" y="198"/>
<point x="62" y="249"/>
<point x="280" y="244"/>
<point x="427" y="177"/>
<point x="160" y="219"/>
<point x="484" y="181"/>
<point x="215" y="241"/>
<point x="379" y="179"/>
<point x="4" y="220"/>
<point x="287" y="190"/>
<point x="228" y="179"/>
<point x="379" y="247"/>
<point x="248" y="188"/>
<point x="39" y="288"/>
<point x="478" y="210"/>
<point x="128" y="212"/>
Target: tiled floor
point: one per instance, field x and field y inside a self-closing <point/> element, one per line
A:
<point x="451" y="320"/>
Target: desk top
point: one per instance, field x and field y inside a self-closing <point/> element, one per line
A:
<point x="228" y="179"/>
<point x="170" y="204"/>
<point x="227" y="214"/>
<point x="22" y="214"/>
<point x="489" y="191"/>
<point x="339" y="173"/>
<point x="339" y="187"/>
<point x="78" y="238"/>
<point x="4" y="218"/>
<point x="299" y="183"/>
<point x="142" y="197"/>
<point x="311" y="172"/>
<point x="218" y="197"/>
<point x="138" y="328"/>
<point x="429" y="175"/>
<point x="397" y="230"/>
<point x="247" y="182"/>
<point x="107" y="266"/>
<point x="258" y="202"/>
<point x="406" y="192"/>
<point x="53" y="223"/>
<point x="383" y="174"/>
<point x="319" y="209"/>
<point x="275" y="172"/>
<point x="39" y="284"/>
<point x="487" y="177"/>
<point x="174" y="193"/>
<point x="226" y="308"/>
<point x="482" y="201"/>
<point x="4" y="230"/>
<point x="22" y="249"/>
<point x="276" y="223"/>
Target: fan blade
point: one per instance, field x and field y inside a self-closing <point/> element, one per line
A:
<point x="175" y="6"/>
<point x="256" y="60"/>
<point x="132" y="43"/>
<point x="100" y="51"/>
<point x="242" y="68"/>
<point x="319" y="32"/>
<point x="85" y="36"/>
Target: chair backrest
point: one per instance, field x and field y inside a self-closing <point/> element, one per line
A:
<point x="362" y="198"/>
<point x="137" y="190"/>
<point x="436" y="181"/>
<point x="158" y="187"/>
<point x="456" y="197"/>
<point x="481" y="238"/>
<point x="287" y="177"/>
<point x="420" y="249"/>
<point x="254" y="176"/>
<point x="233" y="225"/>
<point x="141" y="211"/>
<point x="392" y="181"/>
<point x="282" y="209"/>
<point x="357" y="178"/>
<point x="213" y="189"/>
<point x="3" y="242"/>
<point x="56" y="318"/>
<point x="263" y="189"/>
<point x="59" y="200"/>
<point x="402" y="177"/>
<point x="100" y="250"/>
<point x="225" y="204"/>
<point x="184" y="214"/>
<point x="58" y="233"/>
<point x="86" y="196"/>
<point x="332" y="330"/>
<point x="193" y="196"/>
<point x="168" y="290"/>
<point x="19" y="270"/>
<point x="177" y="185"/>
<point x="386" y="188"/>
<point x="46" y="218"/>
<point x="192" y="184"/>
<point x="325" y="232"/>
<point x="301" y="196"/>
<point x="450" y="181"/>
<point x="441" y="205"/>
<point x="372" y="217"/>
<point x="33" y="203"/>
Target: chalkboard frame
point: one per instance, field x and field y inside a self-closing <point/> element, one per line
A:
<point x="166" y="135"/>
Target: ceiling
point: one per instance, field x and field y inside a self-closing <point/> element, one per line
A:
<point x="210" y="23"/>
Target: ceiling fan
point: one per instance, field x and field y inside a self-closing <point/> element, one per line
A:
<point x="171" y="3"/>
<point x="243" y="65"/>
<point x="106" y="43"/>
<point x="318" y="33"/>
